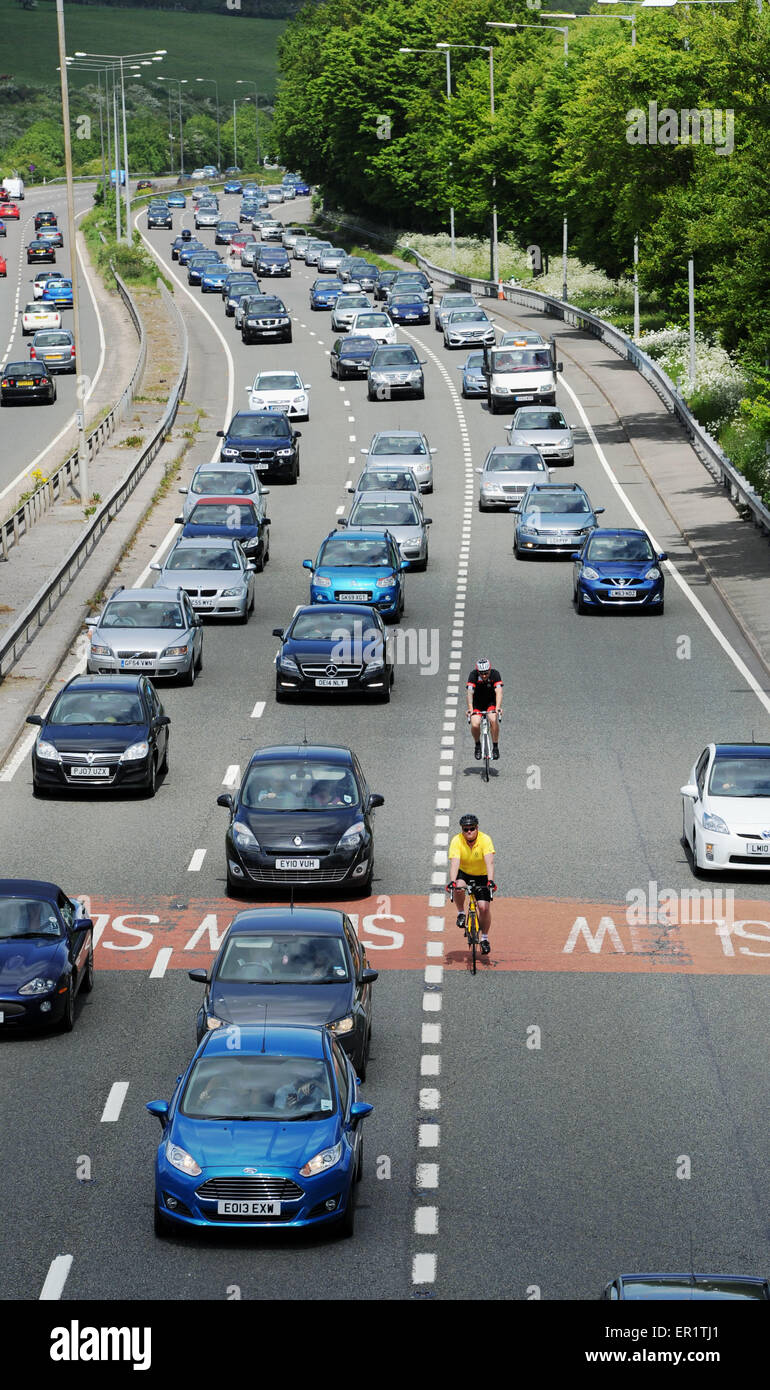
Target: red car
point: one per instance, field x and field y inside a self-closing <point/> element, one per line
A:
<point x="9" y="210"/>
<point x="3" y="266"/>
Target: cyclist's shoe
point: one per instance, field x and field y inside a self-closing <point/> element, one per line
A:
<point x="461" y="919"/>
<point x="495" y="752"/>
<point x="485" y="946"/>
<point x="477" y="752"/>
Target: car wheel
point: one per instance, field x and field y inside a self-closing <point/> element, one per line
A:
<point x="347" y="1222"/>
<point x="659" y="609"/>
<point x="579" y="604"/>
<point x="294" y="478"/>
<point x="482" y="508"/>
<point x="360" y="1163"/>
<point x="422" y="565"/>
<point x="88" y="976"/>
<point x="160" y="1223"/>
<point x="68" y="1017"/>
<point x="41" y="793"/>
<point x="260" y="563"/>
<point x="383" y="696"/>
<point x="369" y="395"/>
<point x="234" y="887"/>
<point x="199" y="663"/>
<point x="150" y="786"/>
<point x="189" y="676"/>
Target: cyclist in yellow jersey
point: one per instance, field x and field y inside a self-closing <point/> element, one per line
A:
<point x="472" y="860"/>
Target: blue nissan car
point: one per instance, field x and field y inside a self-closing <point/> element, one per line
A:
<point x="359" y="567"/>
<point x="618" y="569"/>
<point x="264" y="1132"/>
<point x="176" y="200"/>
<point x="409" y="306"/>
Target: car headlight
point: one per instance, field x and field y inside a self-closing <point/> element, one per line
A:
<point x="284" y="453"/>
<point x="376" y="664"/>
<point x="342" y="1025"/>
<point x="387" y="582"/>
<point x="257" y="402"/>
<point x="179" y="1158"/>
<point x="135" y="752"/>
<point x="584" y="531"/>
<point x="298" y="400"/>
<point x="213" y="1022"/>
<point x="378" y="376"/>
<point x="654" y="573"/>
<point x="491" y="487"/>
<point x="39" y="985"/>
<point x="243" y="836"/>
<point x="588" y="573"/>
<point x="229" y="453"/>
<point x="527" y="529"/>
<point x="233" y="593"/>
<point x="322" y="582"/>
<point x="353" y="836"/>
<point x="562" y="443"/>
<point x="176" y="651"/>
<point x="100" y="651"/>
<point x="287" y="663"/>
<point x="715" y="824"/>
<point x="47" y="750"/>
<point x="321" y="1161"/>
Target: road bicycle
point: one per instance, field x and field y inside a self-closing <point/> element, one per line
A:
<point x="485" y="743"/>
<point x="472" y="935"/>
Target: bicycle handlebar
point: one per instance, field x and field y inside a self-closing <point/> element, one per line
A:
<point x="450" y="888"/>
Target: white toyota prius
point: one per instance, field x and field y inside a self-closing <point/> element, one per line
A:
<point x="726" y="808"/>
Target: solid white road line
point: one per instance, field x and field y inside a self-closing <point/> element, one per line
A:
<point x="56" y="1278"/>
<point x="114" y="1103"/>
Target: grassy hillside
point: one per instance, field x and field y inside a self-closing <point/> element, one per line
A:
<point x="223" y="46"/>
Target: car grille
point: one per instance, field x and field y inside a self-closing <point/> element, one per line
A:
<point x="201" y="593"/>
<point x="89" y="757"/>
<point x="138" y="656"/>
<point x="257" y="455"/>
<point x="262" y="1188"/>
<point x="345" y="672"/>
<point x="297" y="875"/>
<point x="514" y="489"/>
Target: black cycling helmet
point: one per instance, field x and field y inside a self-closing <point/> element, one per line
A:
<point x="468" y="822"/>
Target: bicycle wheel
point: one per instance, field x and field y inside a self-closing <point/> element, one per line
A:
<point x="485" y="753"/>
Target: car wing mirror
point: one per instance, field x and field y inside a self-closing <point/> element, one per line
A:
<point x="307" y="564"/>
<point x="179" y="521"/>
<point x="182" y="490"/>
<point x="663" y="555"/>
<point x="35" y="719"/>
<point x="159" y="1108"/>
<point x="199" y="976"/>
<point x="225" y="799"/>
<point x="376" y="800"/>
<point x="154" y="565"/>
<point x="368" y="976"/>
<point x="575" y="555"/>
<point x="598" y="511"/>
<point x="691" y="790"/>
<point x="359" y="1111"/>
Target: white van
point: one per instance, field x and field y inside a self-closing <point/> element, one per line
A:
<point x="14" y="188"/>
<point x="520" y="375"/>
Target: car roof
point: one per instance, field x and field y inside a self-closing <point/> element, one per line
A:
<point x="602" y="531"/>
<point x="239" y="501"/>
<point x="196" y="542"/>
<point x="350" y="533"/>
<point x="742" y="750"/>
<point x="113" y="682"/>
<point x="322" y="921"/>
<point x="353" y="610"/>
<point x="270" y="1038"/>
<point x="309" y="752"/>
<point x="385" y="495"/>
<point x="28" y="888"/>
<point x="266" y="414"/>
<point x="161" y="591"/>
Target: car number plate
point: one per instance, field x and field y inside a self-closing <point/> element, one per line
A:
<point x="622" y="593"/>
<point x="202" y="602"/>
<point x="90" y="772"/>
<point x="248" y="1208"/>
<point x="261" y="465"/>
<point x="330" y="682"/>
<point x="24" y="381"/>
<point x="297" y="863"/>
<point x="762" y="851"/>
<point x="55" y="356"/>
<point x="525" y="398"/>
<point x="138" y="665"/>
<point x="349" y="598"/>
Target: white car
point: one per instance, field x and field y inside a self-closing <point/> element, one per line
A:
<point x="37" y="315"/>
<point x="374" y="323"/>
<point x="726" y="808"/>
<point x="284" y="391"/>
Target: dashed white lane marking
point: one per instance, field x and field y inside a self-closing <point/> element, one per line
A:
<point x="160" y="963"/>
<point x="340" y="511"/>
<point x="258" y="709"/>
<point x="424" y="1267"/>
<point x="232" y="777"/>
<point x="56" y="1278"/>
<point x="426" y="1224"/>
<point x="196" y="862"/>
<point x="114" y="1103"/>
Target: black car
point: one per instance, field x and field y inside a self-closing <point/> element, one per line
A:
<point x="273" y="260"/>
<point x="225" y="232"/>
<point x="40" y="250"/>
<point x="337" y="649"/>
<point x="686" y="1288"/>
<point x="264" y="438"/>
<point x="302" y="815"/>
<point x="305" y="965"/>
<point x="200" y="262"/>
<point x="105" y="731"/>
<point x="268" y="319"/>
<point x="384" y="283"/>
<point x="159" y="217"/>
<point x="46" y="954"/>
<point x="238" y="284"/>
<point x="45" y="219"/>
<point x="27" y="381"/>
<point x="351" y="356"/>
<point x="184" y="239"/>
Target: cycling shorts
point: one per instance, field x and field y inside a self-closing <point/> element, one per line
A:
<point x="480" y="883"/>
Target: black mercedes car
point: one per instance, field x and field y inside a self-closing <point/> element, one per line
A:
<point x="351" y="356"/>
<point x="333" y="649"/>
<point x="304" y="965"/>
<point x="46" y="954"/>
<point x="302" y="815"/>
<point x="105" y="731"/>
<point x="27" y="381"/>
<point x="266" y="439"/>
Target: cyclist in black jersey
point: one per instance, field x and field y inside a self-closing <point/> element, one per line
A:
<point x="485" y="696"/>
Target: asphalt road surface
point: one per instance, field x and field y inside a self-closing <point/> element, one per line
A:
<point x="590" y="1102"/>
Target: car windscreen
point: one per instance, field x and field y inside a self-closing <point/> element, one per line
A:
<point x="298" y="785"/>
<point x="290" y="958"/>
<point x="515" y="463"/>
<point x="387" y="480"/>
<point x="267" y="306"/>
<point x="395" y="357"/>
<point x="223" y="484"/>
<point x="408" y="297"/>
<point x="372" y="321"/>
<point x="560" y="505"/>
<point x="202" y="557"/>
<point x="474" y="361"/>
<point x="522" y="360"/>
<point x="603" y="549"/>
<point x="142" y="613"/>
<point x="232" y="514"/>
<point x="353" y="301"/>
<point x="277" y="381"/>
<point x="384" y="514"/>
<point x="541" y="420"/>
<point x="357" y="343"/>
<point x="97" y="707"/>
<point x="327" y="285"/>
<point x="271" y="425"/>
<point x="22" y="371"/>
<point x="321" y="626"/>
<point x="27" y="917"/>
<point x="466" y="316"/>
<point x="259" y="1088"/>
<point x="458" y="301"/>
<point x="50" y="338"/>
<point x="341" y="552"/>
<point x="741" y="776"/>
<point x="397" y="444"/>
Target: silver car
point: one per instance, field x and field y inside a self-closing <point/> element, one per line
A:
<point x="275" y="195"/>
<point x="289" y="236"/>
<point x="222" y="480"/>
<point x="553" y="517"/>
<point x="150" y="630"/>
<point x="467" y="328"/>
<point x="215" y="575"/>
<point x="387" y="480"/>
<point x="346" y="306"/>
<point x="330" y="258"/>
<point x="271" y="231"/>
<point x="314" y="250"/>
<point x="401" y="515"/>
<point x="507" y="473"/>
<point x="206" y="217"/>
<point x="400" y="449"/>
<point x="300" y="247"/>
<point x="367" y="276"/>
<point x="546" y="429"/>
<point x="55" y="347"/>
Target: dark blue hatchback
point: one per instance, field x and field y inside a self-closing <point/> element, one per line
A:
<point x="618" y="569"/>
<point x="46" y="954"/>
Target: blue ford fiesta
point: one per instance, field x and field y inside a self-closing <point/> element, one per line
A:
<point x="618" y="569"/>
<point x="263" y="1129"/>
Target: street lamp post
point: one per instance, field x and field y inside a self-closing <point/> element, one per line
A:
<point x="243" y="81"/>
<point x="181" y="82"/>
<point x="567" y="14"/>
<point x="636" y="286"/>
<point x="216" y="87"/>
<point x="113" y="61"/>
<point x="487" y="48"/>
<point x="85" y="491"/>
<point x="560" y="28"/>
<point x="448" y="56"/>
